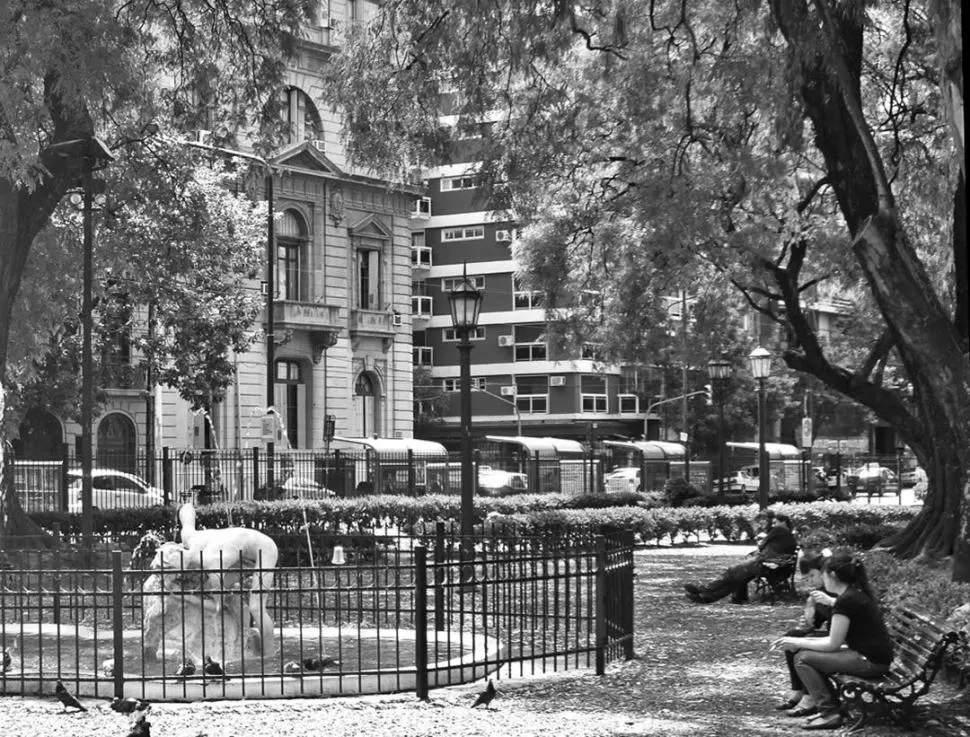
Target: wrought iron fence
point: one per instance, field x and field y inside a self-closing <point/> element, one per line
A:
<point x="413" y="616"/>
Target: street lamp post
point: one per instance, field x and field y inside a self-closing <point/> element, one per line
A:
<point x="95" y="156"/>
<point x="759" y="361"/>
<point x="465" y="302"/>
<point x="719" y="370"/>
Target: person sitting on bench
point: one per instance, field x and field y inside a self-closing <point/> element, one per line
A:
<point x="778" y="544"/>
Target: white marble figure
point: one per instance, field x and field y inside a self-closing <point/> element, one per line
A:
<point x="208" y="573"/>
<point x="234" y="549"/>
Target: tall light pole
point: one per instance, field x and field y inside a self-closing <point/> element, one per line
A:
<point x="465" y="302"/>
<point x="95" y="156"/>
<point x="719" y="370"/>
<point x="759" y="361"/>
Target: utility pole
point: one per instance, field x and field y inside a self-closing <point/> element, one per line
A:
<point x="683" y="376"/>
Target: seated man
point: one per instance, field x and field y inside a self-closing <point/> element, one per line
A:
<point x="779" y="543"/>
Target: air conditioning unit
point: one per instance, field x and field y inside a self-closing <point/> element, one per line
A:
<point x="557" y="381"/>
<point x="506" y="341"/>
<point x="508" y="391"/>
<point x="503" y="236"/>
<point x="319" y="144"/>
<point x="397" y="320"/>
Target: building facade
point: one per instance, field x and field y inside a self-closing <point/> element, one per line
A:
<point x="341" y="306"/>
<point x="521" y="384"/>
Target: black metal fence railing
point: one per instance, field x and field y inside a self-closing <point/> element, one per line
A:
<point x="205" y="476"/>
<point x="413" y="617"/>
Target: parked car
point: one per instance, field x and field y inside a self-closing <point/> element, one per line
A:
<point x="623" y="479"/>
<point x="912" y="476"/>
<point x="112" y="489"/>
<point x="739" y="481"/>
<point x="871" y="478"/>
<point x="304" y="487"/>
<point x="496" y="482"/>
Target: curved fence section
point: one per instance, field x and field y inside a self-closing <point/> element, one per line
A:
<point x="411" y="616"/>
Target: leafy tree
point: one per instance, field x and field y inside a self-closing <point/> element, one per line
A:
<point x="119" y="72"/>
<point x="430" y="402"/>
<point x="801" y="150"/>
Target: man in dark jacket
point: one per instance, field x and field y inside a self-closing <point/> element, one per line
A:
<point x="777" y="545"/>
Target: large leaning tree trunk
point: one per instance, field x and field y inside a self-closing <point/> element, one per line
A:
<point x="932" y="344"/>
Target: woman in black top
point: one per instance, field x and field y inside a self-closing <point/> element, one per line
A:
<point x="857" y="643"/>
<point x="814" y="623"/>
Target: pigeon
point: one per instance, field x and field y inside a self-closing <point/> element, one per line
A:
<point x="486" y="696"/>
<point x="7" y="660"/>
<point x="108" y="668"/>
<point x="127" y="706"/>
<point x="140" y="727"/>
<point x="66" y="698"/>
<point x="186" y="669"/>
<point x="292" y="666"/>
<point x="212" y="667"/>
<point x="313" y="664"/>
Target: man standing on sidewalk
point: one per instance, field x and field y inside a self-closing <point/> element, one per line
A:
<point x="779" y="543"/>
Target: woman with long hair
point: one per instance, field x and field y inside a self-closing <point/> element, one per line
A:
<point x="857" y="642"/>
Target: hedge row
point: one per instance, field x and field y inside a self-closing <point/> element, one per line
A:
<point x="521" y="515"/>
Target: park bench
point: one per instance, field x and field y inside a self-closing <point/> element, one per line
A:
<point x="776" y="578"/>
<point x="920" y="645"/>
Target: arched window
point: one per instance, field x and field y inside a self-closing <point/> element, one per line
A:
<point x="116" y="443"/>
<point x="367" y="385"/>
<point x="302" y="117"/>
<point x="41" y="437"/>
<point x="291" y="246"/>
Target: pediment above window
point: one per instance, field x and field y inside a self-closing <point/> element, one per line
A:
<point x="306" y="155"/>
<point x="370" y="227"/>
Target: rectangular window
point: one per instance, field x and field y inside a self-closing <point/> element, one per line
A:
<point x="478" y="384"/>
<point x="530" y="352"/>
<point x="526" y="299"/>
<point x="593" y="394"/>
<point x="368" y="279"/>
<point x="288" y="271"/>
<point x="450" y="335"/>
<point x="449" y="285"/>
<point x="591" y="352"/>
<point x="467" y="233"/>
<point x="532" y="394"/>
<point x="629" y="404"/>
<point x="450" y="184"/>
<point x="423" y="356"/>
<point x="421" y="306"/>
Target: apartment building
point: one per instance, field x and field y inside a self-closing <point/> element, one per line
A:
<point x="521" y="384"/>
<point x="341" y="293"/>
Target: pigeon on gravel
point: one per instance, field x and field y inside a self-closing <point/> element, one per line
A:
<point x="127" y="706"/>
<point x="7" y="661"/>
<point x="486" y="696"/>
<point x="312" y="664"/>
<point x="291" y="667"/>
<point x="67" y="698"/>
<point x="141" y="727"/>
<point x="187" y="668"/>
<point x="211" y="668"/>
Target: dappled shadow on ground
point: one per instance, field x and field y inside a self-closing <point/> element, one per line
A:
<point x="705" y="669"/>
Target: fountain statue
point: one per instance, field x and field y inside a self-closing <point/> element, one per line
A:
<point x="196" y="596"/>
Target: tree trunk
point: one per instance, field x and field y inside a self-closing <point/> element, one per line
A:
<point x="927" y="338"/>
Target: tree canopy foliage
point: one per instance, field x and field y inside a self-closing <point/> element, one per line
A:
<point x="802" y="151"/>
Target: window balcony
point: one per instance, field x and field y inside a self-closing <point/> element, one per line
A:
<point x="306" y="315"/>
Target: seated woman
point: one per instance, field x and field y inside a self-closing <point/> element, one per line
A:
<point x="814" y="623"/>
<point x="857" y="642"/>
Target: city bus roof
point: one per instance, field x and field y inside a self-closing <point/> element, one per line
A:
<point x="398" y="446"/>
<point x="545" y="447"/>
<point x="651" y="449"/>
<point x="776" y="451"/>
